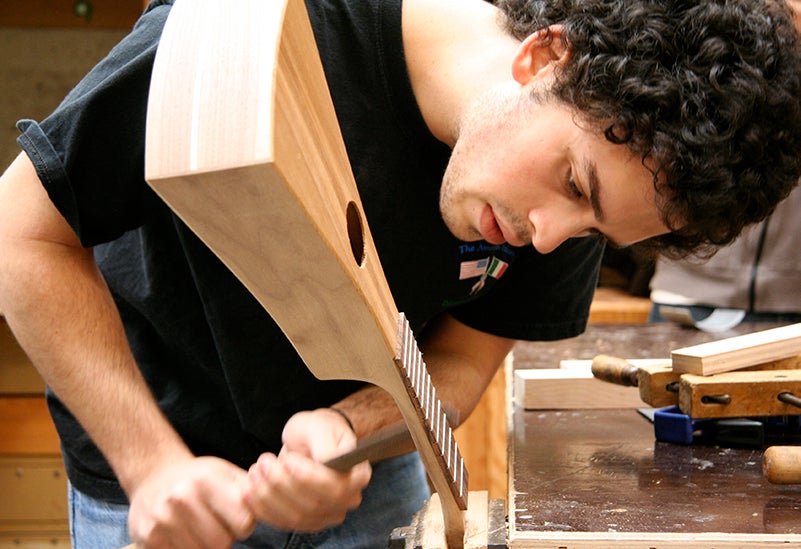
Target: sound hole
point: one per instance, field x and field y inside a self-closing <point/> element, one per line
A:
<point x="355" y="233"/>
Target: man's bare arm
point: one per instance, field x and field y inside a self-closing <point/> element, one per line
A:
<point x="61" y="311"/>
<point x="461" y="361"/>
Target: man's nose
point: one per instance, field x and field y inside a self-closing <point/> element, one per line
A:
<point x="550" y="232"/>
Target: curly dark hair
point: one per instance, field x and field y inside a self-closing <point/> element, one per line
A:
<point x="707" y="91"/>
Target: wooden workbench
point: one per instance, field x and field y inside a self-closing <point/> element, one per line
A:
<point x="597" y="478"/>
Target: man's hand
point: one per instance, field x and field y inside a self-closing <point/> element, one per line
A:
<point x="194" y="503"/>
<point x="294" y="490"/>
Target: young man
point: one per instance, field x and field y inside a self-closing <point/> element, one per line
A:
<point x="677" y="122"/>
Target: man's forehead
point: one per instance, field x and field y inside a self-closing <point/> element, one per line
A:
<point x="624" y="198"/>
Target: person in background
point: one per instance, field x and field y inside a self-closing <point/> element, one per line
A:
<point x="759" y="274"/>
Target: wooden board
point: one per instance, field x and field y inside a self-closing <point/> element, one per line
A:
<point x="570" y="389"/>
<point x="244" y="145"/>
<point x="733" y="353"/>
<point x="740" y="394"/>
<point x="653" y="382"/>
<point x="485" y="526"/>
<point x="105" y="14"/>
<point x="34" y="497"/>
<point x="26" y="427"/>
<point x="613" y="305"/>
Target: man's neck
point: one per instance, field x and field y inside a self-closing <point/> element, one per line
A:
<point x="455" y="50"/>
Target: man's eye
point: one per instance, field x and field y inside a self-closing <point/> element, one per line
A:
<point x="572" y="187"/>
<point x="596" y="232"/>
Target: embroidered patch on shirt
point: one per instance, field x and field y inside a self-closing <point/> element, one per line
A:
<point x="481" y="269"/>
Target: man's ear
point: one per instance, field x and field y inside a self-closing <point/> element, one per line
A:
<point x="539" y="53"/>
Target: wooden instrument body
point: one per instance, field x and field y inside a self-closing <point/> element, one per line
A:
<point x="244" y="145"/>
<point x="735" y="353"/>
<point x="234" y="138"/>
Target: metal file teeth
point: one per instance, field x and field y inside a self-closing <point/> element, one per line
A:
<point x="424" y="396"/>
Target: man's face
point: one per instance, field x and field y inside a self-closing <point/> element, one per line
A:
<point x="526" y="171"/>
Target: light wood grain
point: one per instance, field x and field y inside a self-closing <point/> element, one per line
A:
<point x="243" y="144"/>
<point x="782" y="464"/>
<point x="653" y="378"/>
<point x="570" y="389"/>
<point x="17" y="374"/>
<point x="26" y="427"/>
<point x="430" y="529"/>
<point x="734" y="353"/>
<point x="751" y="393"/>
<point x="106" y="14"/>
<point x="34" y="497"/>
<point x="482" y="440"/>
<point x="616" y="306"/>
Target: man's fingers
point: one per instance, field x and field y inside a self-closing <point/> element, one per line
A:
<point x="229" y="506"/>
<point x="200" y="504"/>
<point x="295" y="492"/>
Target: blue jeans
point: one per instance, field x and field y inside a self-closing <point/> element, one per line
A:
<point x="397" y="490"/>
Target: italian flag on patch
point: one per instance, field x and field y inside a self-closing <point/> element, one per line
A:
<point x="497" y="268"/>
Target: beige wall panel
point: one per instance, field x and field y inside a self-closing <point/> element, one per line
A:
<point x="26" y="427"/>
<point x="17" y="374"/>
<point x="34" y="493"/>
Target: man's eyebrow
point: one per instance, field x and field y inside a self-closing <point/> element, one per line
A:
<point x="595" y="200"/>
<point x="595" y="190"/>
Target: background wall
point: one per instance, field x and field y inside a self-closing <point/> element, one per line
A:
<point x="38" y="66"/>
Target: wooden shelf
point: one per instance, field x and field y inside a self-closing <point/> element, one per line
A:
<point x="104" y="14"/>
<point x="612" y="305"/>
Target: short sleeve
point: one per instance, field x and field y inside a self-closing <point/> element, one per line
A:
<point x="89" y="153"/>
<point x="540" y="297"/>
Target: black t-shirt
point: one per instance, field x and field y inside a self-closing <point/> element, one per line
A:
<point x="218" y="365"/>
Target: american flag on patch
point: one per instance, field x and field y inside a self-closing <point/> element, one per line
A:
<point x="472" y="269"/>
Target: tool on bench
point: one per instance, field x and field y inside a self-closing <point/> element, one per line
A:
<point x="782" y="464"/>
<point x="671" y="425"/>
<point x="741" y="394"/>
<point x="654" y="382"/>
<point x="674" y="426"/>
<point x="757" y="404"/>
<point x="661" y="386"/>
